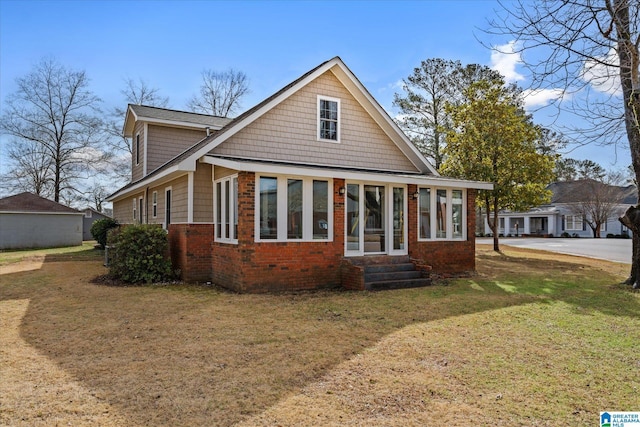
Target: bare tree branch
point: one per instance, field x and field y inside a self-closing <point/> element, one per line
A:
<point x="220" y="93"/>
<point x="54" y="111"/>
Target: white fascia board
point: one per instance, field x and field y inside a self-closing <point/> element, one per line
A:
<point x="422" y="180"/>
<point x="145" y="182"/>
<point x="175" y="123"/>
<point x="382" y="118"/>
<point x="129" y="134"/>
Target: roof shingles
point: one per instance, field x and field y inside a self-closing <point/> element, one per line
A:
<point x="29" y="202"/>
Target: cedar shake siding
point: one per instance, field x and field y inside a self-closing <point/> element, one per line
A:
<point x="288" y="133"/>
<point x="164" y="143"/>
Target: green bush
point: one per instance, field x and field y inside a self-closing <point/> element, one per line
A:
<point x="140" y="254"/>
<point x="100" y="228"/>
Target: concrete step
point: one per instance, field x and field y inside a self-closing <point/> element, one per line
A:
<point x="388" y="275"/>
<point x="397" y="284"/>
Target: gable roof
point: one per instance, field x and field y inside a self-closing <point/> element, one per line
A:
<point x="186" y="161"/>
<point x="29" y="202"/>
<point x="573" y="191"/>
<point x="166" y="116"/>
<point x="89" y="208"/>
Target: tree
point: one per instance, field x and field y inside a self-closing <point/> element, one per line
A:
<point x="572" y="170"/>
<point x="53" y="120"/>
<point x="492" y="139"/>
<point x="30" y="169"/>
<point x="431" y="86"/>
<point x="592" y="47"/>
<point x="596" y="201"/>
<point x="220" y="93"/>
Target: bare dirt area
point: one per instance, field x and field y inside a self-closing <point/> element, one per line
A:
<point x="532" y="339"/>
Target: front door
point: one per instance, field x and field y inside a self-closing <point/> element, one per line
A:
<point x="375" y="219"/>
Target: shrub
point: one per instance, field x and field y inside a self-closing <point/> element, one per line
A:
<point x="140" y="254"/>
<point x="565" y="234"/>
<point x="100" y="228"/>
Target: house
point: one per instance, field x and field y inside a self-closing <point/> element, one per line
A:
<point x="90" y="216"/>
<point x="563" y="217"/>
<point x="31" y="221"/>
<point x="315" y="186"/>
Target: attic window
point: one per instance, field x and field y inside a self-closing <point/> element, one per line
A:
<point x="328" y="119"/>
<point x="137" y="149"/>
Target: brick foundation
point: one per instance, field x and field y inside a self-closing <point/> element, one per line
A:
<point x="278" y="266"/>
<point x="190" y="250"/>
<point x="445" y="257"/>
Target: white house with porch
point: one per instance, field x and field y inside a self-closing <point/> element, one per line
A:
<point x="559" y="218"/>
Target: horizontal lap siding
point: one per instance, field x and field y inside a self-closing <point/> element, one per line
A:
<point x="178" y="199"/>
<point x="288" y="133"/>
<point x="123" y="209"/>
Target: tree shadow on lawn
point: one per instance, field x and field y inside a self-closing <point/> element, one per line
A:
<point x="194" y="355"/>
<point x="586" y="284"/>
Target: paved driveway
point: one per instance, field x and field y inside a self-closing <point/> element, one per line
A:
<point x="618" y="250"/>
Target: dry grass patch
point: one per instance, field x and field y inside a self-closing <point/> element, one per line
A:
<point x="36" y="392"/>
<point x="495" y="347"/>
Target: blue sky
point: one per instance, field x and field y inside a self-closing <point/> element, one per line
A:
<point x="168" y="44"/>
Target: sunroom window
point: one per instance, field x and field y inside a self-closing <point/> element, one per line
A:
<point x="441" y="214"/>
<point x="290" y="209"/>
<point x="226" y="209"/>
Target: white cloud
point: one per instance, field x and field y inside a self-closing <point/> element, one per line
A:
<point x="504" y="59"/>
<point x="601" y="76"/>
<point x="541" y="97"/>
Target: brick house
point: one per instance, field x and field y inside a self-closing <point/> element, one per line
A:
<point x="316" y="186"/>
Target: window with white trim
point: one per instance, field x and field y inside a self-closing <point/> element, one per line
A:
<point x="328" y="119"/>
<point x="293" y="208"/>
<point x="573" y="223"/>
<point x="135" y="210"/>
<point x="137" y="149"/>
<point x="168" y="199"/>
<point x="226" y="209"/>
<point x="154" y="204"/>
<point x="442" y="214"/>
<point x="141" y="210"/>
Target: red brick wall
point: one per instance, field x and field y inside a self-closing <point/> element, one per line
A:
<point x="444" y="256"/>
<point x="276" y="266"/>
<point x="190" y="250"/>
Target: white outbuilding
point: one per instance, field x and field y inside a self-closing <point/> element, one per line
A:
<point x="31" y="221"/>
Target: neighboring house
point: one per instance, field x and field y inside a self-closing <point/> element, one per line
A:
<point x="561" y="217"/>
<point x="302" y="191"/>
<point x="90" y="216"/>
<point x="31" y="221"/>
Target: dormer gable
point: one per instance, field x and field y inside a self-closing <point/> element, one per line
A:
<point x="159" y="134"/>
